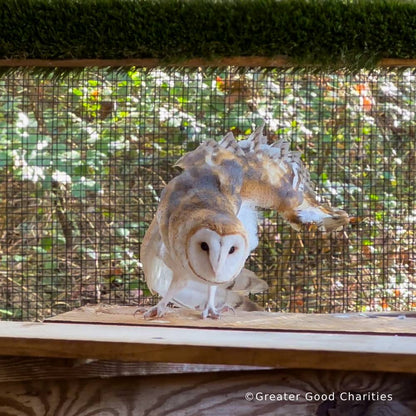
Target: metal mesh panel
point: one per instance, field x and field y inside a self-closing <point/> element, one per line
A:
<point x="83" y="159"/>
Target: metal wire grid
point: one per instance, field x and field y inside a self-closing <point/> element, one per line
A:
<point x="83" y="159"/>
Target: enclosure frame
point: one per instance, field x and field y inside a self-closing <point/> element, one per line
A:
<point x="173" y="344"/>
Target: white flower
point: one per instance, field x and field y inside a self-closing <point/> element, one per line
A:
<point x="22" y="120"/>
<point x="61" y="177"/>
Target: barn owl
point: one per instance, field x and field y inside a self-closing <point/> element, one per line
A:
<point x="205" y="227"/>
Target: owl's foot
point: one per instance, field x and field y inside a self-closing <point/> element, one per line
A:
<point x="214" y="313"/>
<point x="154" y="312"/>
<point x="209" y="312"/>
<point x="139" y="310"/>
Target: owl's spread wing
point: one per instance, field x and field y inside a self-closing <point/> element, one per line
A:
<point x="273" y="177"/>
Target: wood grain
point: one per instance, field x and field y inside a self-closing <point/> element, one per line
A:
<point x="34" y="368"/>
<point x="389" y="323"/>
<point x="241" y="61"/>
<point x="248" y="61"/>
<point x="216" y="394"/>
<point x="209" y="346"/>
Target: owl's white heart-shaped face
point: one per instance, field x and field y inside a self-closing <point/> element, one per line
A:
<point x="216" y="258"/>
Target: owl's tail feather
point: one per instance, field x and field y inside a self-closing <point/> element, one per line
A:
<point x="247" y="282"/>
<point x="235" y="295"/>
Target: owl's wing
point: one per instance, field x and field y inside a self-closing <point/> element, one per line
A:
<point x="158" y="275"/>
<point x="273" y="177"/>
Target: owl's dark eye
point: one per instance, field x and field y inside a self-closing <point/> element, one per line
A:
<point x="204" y="246"/>
<point x="232" y="249"/>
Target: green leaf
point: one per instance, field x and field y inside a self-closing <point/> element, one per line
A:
<point x="123" y="232"/>
<point x="47" y="243"/>
<point x="5" y="158"/>
<point x="77" y="91"/>
<point x="83" y="185"/>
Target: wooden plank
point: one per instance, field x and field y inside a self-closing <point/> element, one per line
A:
<point x="278" y="393"/>
<point x="34" y="368"/>
<point x="241" y="61"/>
<point x="398" y="324"/>
<point x="246" y="61"/>
<point x="209" y="346"/>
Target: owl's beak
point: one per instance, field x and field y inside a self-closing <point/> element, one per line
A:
<point x="217" y="264"/>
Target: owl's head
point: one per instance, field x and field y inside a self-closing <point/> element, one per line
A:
<point x="217" y="257"/>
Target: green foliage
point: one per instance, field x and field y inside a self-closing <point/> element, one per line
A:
<point x="83" y="160"/>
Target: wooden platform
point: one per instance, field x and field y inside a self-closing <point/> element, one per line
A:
<point x="335" y="342"/>
<point x="389" y="323"/>
<point x="245" y="363"/>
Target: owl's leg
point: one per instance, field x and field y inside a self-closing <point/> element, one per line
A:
<point x="210" y="309"/>
<point x="159" y="310"/>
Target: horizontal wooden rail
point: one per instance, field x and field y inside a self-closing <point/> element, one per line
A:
<point x="241" y="61"/>
<point x="251" y="61"/>
<point x="210" y="346"/>
<point x="387" y="323"/>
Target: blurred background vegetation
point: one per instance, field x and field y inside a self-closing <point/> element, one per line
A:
<point x="84" y="157"/>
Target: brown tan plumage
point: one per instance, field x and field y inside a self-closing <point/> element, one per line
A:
<point x="206" y="224"/>
<point x="273" y="177"/>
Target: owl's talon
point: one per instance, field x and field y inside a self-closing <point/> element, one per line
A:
<point x="214" y="313"/>
<point x="139" y="310"/>
<point x="227" y="308"/>
<point x="210" y="313"/>
<point x="154" y="312"/>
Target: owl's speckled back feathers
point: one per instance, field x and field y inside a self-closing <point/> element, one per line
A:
<point x="273" y="177"/>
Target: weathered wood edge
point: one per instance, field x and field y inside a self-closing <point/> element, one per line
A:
<point x="351" y="323"/>
<point x="15" y="369"/>
<point x="209" y="346"/>
<point x="243" y="61"/>
<point x="240" y="61"/>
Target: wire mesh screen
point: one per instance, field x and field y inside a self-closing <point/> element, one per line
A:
<point x="83" y="160"/>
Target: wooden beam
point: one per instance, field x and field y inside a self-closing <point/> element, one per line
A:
<point x="237" y="61"/>
<point x="40" y="368"/>
<point x="352" y="323"/>
<point x="210" y="346"/>
<point x="247" y="61"/>
<point x="272" y="393"/>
